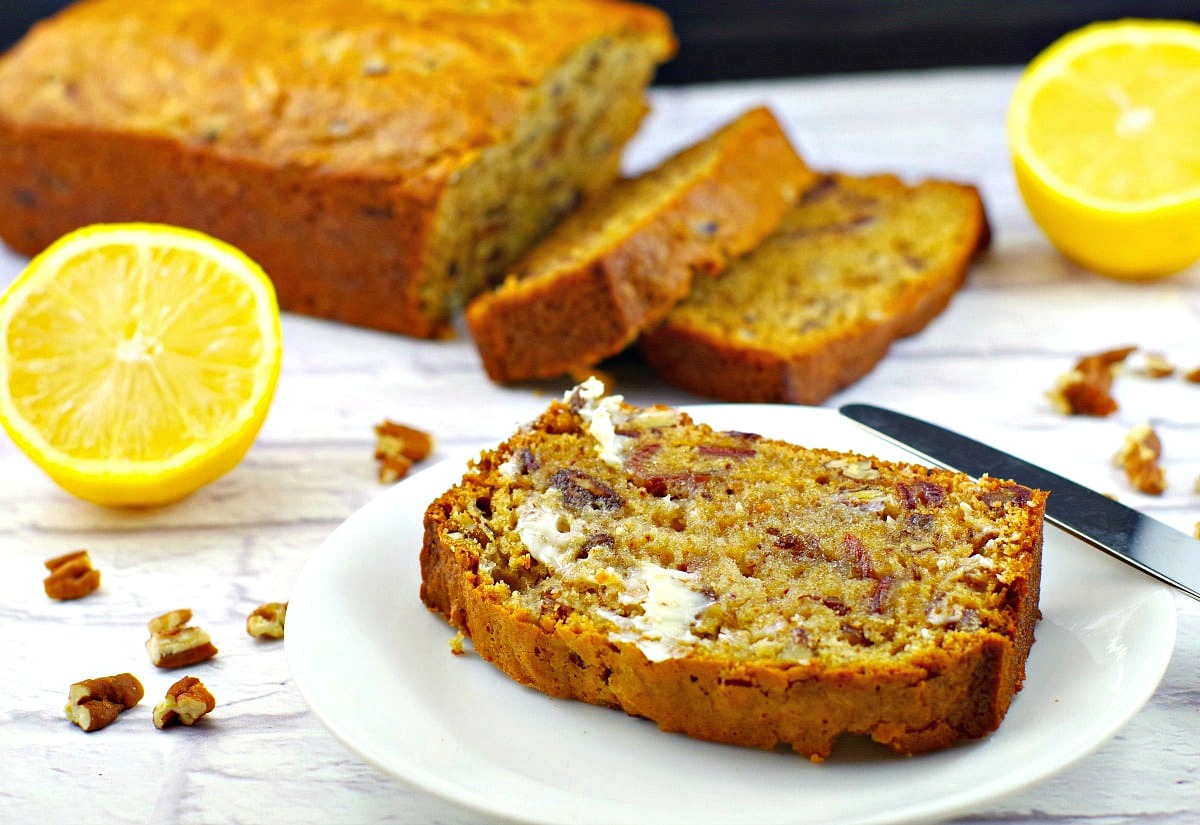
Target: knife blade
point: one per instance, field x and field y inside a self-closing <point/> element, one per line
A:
<point x="1135" y="538"/>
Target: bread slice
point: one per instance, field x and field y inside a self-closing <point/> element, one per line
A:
<point x="625" y="258"/>
<point x="736" y="588"/>
<point x="383" y="161"/>
<point x="858" y="263"/>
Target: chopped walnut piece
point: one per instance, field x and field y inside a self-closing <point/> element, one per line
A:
<point x="397" y="448"/>
<point x="95" y="703"/>
<point x="1192" y="375"/>
<point x="186" y="701"/>
<point x="267" y="621"/>
<point x="1150" y="365"/>
<point x="173" y="643"/>
<point x="1085" y="389"/>
<point x="858" y="469"/>
<point x="1139" y="457"/>
<point x="71" y="576"/>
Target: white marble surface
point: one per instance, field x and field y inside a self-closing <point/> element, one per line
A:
<point x="262" y="756"/>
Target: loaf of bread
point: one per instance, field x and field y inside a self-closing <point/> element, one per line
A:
<point x="626" y="257"/>
<point x="383" y="159"/>
<point x="858" y="263"/>
<point x="736" y="588"/>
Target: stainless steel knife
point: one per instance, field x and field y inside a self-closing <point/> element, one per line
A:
<point x="1139" y="540"/>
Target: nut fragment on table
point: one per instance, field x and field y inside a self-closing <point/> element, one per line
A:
<point x="186" y="701"/>
<point x="1086" y="389"/>
<point x="1192" y="375"/>
<point x="1139" y="457"/>
<point x="1150" y="364"/>
<point x="95" y="703"/>
<point x="71" y="576"/>
<point x="267" y="621"/>
<point x="173" y="643"/>
<point x="397" y="448"/>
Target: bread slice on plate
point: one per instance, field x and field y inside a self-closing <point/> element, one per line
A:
<point x="622" y="260"/>
<point x="737" y="588"/>
<point x="858" y="263"/>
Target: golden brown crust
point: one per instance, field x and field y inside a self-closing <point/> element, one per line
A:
<point x="931" y="695"/>
<point x="560" y="311"/>
<point x="329" y="140"/>
<point x="909" y="709"/>
<point x="716" y="361"/>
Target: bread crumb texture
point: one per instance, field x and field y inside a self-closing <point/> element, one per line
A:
<point x="737" y="588"/>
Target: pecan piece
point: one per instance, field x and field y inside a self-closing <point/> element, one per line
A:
<point x="857" y="469"/>
<point x="1150" y="365"/>
<point x="71" y="576"/>
<point x="859" y="557"/>
<point x="1192" y="376"/>
<point x="186" y="701"/>
<point x="1139" y="456"/>
<point x="879" y="597"/>
<point x="267" y="620"/>
<point x="1009" y="494"/>
<point x="675" y="485"/>
<point x="173" y="643"/>
<point x="1085" y="390"/>
<point x="581" y="490"/>
<point x="397" y="448"/>
<point x="95" y="703"/>
<point x="800" y="545"/>
<point x="726" y="452"/>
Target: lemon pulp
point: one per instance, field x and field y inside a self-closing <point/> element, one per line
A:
<point x="138" y="361"/>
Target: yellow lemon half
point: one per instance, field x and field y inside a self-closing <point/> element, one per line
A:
<point x="1104" y="129"/>
<point x="137" y="361"/>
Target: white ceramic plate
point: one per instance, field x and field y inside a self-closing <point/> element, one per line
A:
<point x="376" y="667"/>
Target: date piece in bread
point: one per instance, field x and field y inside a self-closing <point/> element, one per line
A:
<point x="383" y="160"/>
<point x="858" y="263"/>
<point x="622" y="260"/>
<point x="736" y="588"/>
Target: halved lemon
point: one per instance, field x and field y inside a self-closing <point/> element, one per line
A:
<point x="137" y="361"/>
<point x="1104" y="128"/>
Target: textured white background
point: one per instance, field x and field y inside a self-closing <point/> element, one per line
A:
<point x="264" y="757"/>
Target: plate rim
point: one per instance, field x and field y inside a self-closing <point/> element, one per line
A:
<point x="1157" y="596"/>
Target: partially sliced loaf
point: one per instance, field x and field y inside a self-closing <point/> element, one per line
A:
<point x="622" y="260"/>
<point x="736" y="588"/>
<point x="384" y="160"/>
<point x="858" y="263"/>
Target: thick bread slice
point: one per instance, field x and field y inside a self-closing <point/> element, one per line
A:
<point x="858" y="263"/>
<point x="735" y="588"/>
<point x="622" y="260"/>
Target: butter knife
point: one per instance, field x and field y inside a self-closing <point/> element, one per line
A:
<point x="1136" y="539"/>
